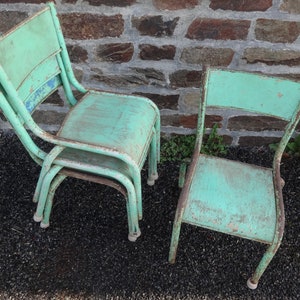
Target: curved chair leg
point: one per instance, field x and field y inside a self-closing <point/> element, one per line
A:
<point x="157" y="129"/>
<point x="263" y="264"/>
<point x="152" y="169"/>
<point x="45" y="168"/>
<point x="182" y="174"/>
<point x="38" y="216"/>
<point x="131" y="204"/>
<point x="133" y="223"/>
<point x="175" y="238"/>
<point x="58" y="179"/>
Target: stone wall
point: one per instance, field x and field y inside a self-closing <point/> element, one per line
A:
<point x="157" y="48"/>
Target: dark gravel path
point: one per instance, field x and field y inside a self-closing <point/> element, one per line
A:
<point x="85" y="253"/>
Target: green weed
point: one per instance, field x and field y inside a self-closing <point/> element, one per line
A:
<point x="181" y="147"/>
<point x="292" y="147"/>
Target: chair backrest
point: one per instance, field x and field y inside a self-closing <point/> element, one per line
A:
<point x="251" y="92"/>
<point x="34" y="63"/>
<point x="28" y="57"/>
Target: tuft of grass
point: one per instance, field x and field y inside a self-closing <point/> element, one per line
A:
<point x="180" y="147"/>
<point x="177" y="148"/>
<point x="214" y="145"/>
<point x="292" y="147"/>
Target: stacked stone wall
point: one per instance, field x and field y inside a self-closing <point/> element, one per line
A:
<point x="157" y="48"/>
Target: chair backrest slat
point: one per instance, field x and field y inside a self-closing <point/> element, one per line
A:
<point x="43" y="80"/>
<point x="252" y="92"/>
<point x="28" y="56"/>
<point x="28" y="45"/>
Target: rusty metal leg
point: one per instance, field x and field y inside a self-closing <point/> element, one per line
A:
<point x="38" y="216"/>
<point x="175" y="238"/>
<point x="48" y="207"/>
<point x="138" y="198"/>
<point x="152" y="169"/>
<point x="182" y="173"/>
<point x="132" y="209"/>
<point x="45" y="168"/>
<point x="263" y="264"/>
<point x="157" y="129"/>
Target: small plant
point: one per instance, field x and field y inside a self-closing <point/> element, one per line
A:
<point x="178" y="148"/>
<point x="214" y="145"/>
<point x="181" y="147"/>
<point x="292" y="147"/>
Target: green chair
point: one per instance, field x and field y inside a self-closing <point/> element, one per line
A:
<point x="105" y="137"/>
<point x="232" y="197"/>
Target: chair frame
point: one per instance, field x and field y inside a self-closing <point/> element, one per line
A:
<point x="54" y="167"/>
<point x="277" y="180"/>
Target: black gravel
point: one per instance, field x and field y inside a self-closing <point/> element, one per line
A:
<point x="85" y="253"/>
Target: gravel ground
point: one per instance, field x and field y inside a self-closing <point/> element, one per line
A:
<point x="85" y="253"/>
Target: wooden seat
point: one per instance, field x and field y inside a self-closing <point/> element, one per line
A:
<point x="231" y="197"/>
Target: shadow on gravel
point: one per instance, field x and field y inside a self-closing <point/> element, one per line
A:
<point x="85" y="253"/>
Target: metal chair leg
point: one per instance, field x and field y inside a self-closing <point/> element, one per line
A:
<point x="263" y="264"/>
<point x="58" y="179"/>
<point x="38" y="216"/>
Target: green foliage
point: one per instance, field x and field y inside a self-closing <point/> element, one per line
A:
<point x="181" y="147"/>
<point x="214" y="145"/>
<point x="178" y="148"/>
<point x="292" y="147"/>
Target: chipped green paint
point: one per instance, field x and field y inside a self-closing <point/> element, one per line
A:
<point x="232" y="197"/>
<point x="105" y="138"/>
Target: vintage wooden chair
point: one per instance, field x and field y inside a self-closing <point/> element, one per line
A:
<point x="231" y="197"/>
<point x="105" y="137"/>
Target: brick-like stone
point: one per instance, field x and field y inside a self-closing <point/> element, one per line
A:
<point x="116" y="52"/>
<point x="26" y="1"/>
<point x="255" y="123"/>
<point x="185" y="78"/>
<point x="294" y="77"/>
<point x="221" y="29"/>
<point x="252" y="141"/>
<point x="49" y="117"/>
<point x="133" y="78"/>
<point x="163" y="101"/>
<point x="151" y="52"/>
<point x="55" y="99"/>
<point x="291" y="6"/>
<point x="207" y="56"/>
<point x="174" y="4"/>
<point x="89" y="26"/>
<point x="126" y="80"/>
<point x="8" y="19"/>
<point x="154" y="26"/>
<point x="272" y="57"/>
<point x="191" y="102"/>
<point x="227" y="140"/>
<point x="78" y="74"/>
<point x="186" y="121"/>
<point x="190" y="121"/>
<point x="69" y="1"/>
<point x="238" y="5"/>
<point x="211" y="120"/>
<point x="120" y="3"/>
<point x="77" y="54"/>
<point x="151" y="74"/>
<point x="277" y="31"/>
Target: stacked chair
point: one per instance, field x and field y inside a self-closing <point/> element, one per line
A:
<point x="105" y="137"/>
